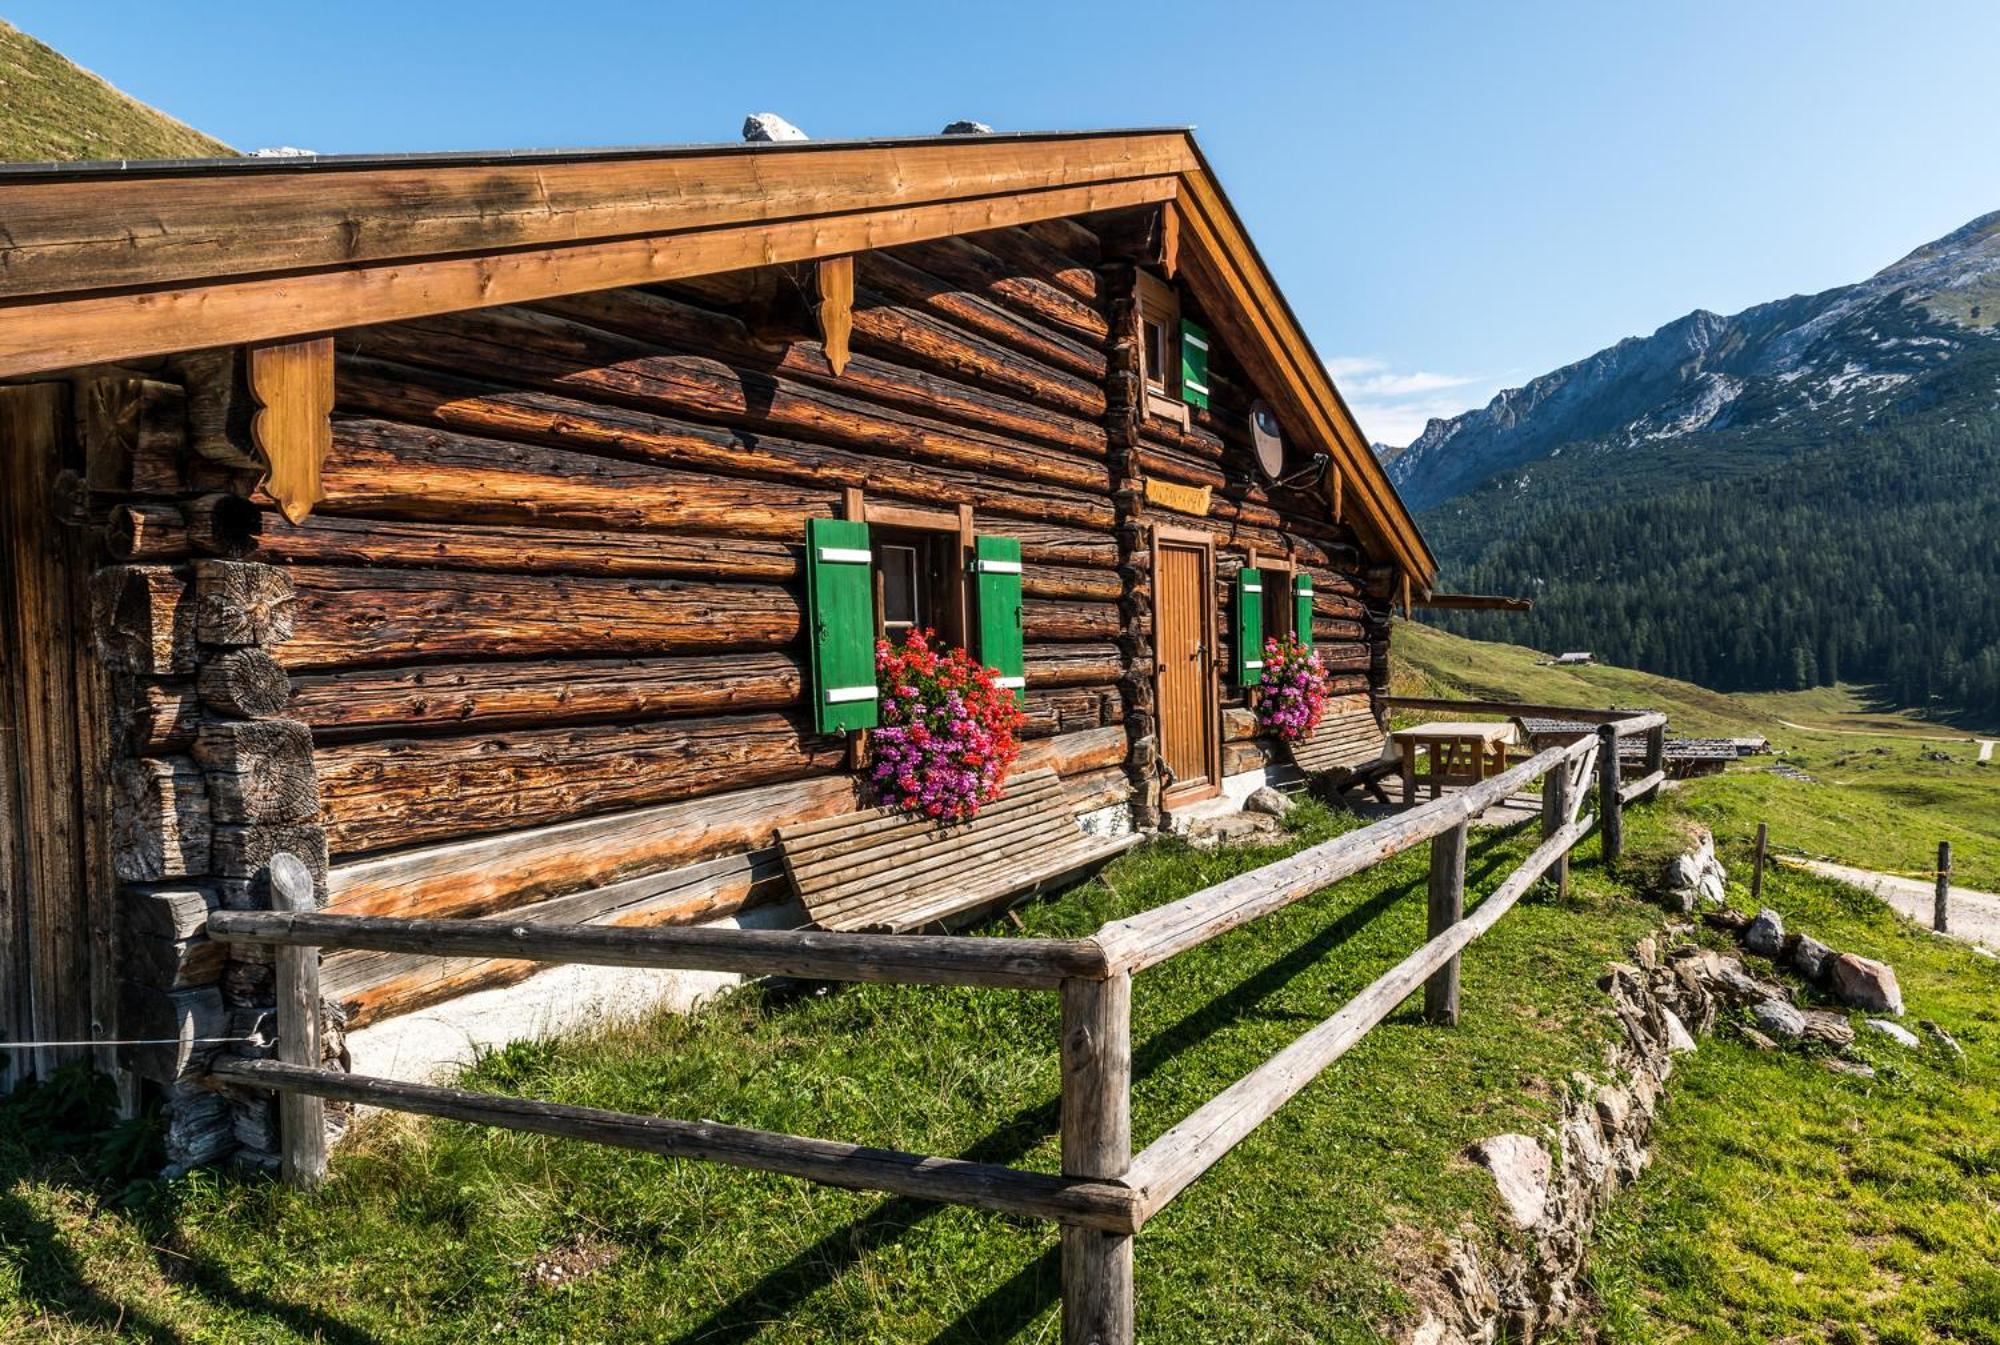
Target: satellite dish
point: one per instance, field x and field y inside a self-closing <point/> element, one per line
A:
<point x="1268" y="440"/>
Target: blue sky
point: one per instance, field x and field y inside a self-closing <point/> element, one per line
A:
<point x="1456" y="197"/>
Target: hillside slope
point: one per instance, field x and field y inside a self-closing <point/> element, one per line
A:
<point x="55" y="109"/>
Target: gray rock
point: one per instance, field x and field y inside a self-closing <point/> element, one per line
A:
<point x="1865" y="983"/>
<point x="1267" y="800"/>
<point x="1758" y="1041"/>
<point x="769" y="126"/>
<point x="1711" y="889"/>
<point x="1943" y="1038"/>
<point x="1520" y="1168"/>
<point x="967" y="128"/>
<point x="1809" y="957"/>
<point x="1829" y="1028"/>
<point x="1850" y="1067"/>
<point x="1766" y="933"/>
<point x="1678" y="1039"/>
<point x="1895" y="1032"/>
<point x="1685" y="871"/>
<point x="1779" y="1019"/>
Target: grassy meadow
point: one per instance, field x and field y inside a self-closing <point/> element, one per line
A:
<point x="1786" y="1204"/>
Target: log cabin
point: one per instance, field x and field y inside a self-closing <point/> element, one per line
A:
<point x="507" y="535"/>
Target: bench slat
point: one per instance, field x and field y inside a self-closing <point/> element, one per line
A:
<point x="886" y="870"/>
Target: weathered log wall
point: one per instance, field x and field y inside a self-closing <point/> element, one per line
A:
<point x="547" y="629"/>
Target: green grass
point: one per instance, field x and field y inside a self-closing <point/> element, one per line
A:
<point x="53" y="109"/>
<point x="1308" y="1232"/>
<point x="1788" y="1204"/>
<point x="1877" y="798"/>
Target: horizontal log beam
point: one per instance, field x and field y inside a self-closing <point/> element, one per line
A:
<point x="1092" y="1204"/>
<point x="43" y="334"/>
<point x="897" y="959"/>
<point x="386" y="793"/>
<point x="495" y="873"/>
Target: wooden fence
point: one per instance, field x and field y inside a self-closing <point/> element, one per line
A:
<point x="1105" y="1194"/>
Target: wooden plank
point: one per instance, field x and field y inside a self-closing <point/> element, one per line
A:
<point x="39" y="335"/>
<point x="301" y="1116"/>
<point x="834" y="309"/>
<point x="1447" y="907"/>
<point x="42" y="636"/>
<point x="293" y="384"/>
<point x="902" y="959"/>
<point x="303" y="217"/>
<point x="1610" y="800"/>
<point x="878" y="870"/>
<point x="1190" y="1148"/>
<point x="1097" y="1306"/>
<point x="498" y="872"/>
<point x="1095" y="1204"/>
<point x="370" y="985"/>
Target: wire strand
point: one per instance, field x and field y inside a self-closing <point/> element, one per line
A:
<point x="254" y="1039"/>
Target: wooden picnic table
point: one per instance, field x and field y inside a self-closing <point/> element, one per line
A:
<point x="1459" y="754"/>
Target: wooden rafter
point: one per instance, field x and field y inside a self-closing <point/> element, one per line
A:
<point x="293" y="384"/>
<point x="833" y="307"/>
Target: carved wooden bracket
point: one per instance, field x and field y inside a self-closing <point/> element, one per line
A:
<point x="834" y="308"/>
<point x="293" y="385"/>
<point x="1170" y="239"/>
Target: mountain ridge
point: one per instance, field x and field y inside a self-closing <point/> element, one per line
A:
<point x="1861" y="349"/>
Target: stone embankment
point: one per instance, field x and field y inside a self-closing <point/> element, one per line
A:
<point x="1554" y="1187"/>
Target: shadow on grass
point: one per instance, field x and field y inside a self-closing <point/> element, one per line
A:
<point x="1008" y="1308"/>
<point x="46" y="1131"/>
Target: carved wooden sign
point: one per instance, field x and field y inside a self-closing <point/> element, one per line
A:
<point x="1183" y="499"/>
<point x="293" y="385"/>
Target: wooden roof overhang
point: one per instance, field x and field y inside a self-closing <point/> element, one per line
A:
<point x="102" y="263"/>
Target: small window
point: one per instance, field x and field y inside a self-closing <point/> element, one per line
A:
<point x="917" y="584"/>
<point x="1278" y="607"/>
<point x="1159" y="337"/>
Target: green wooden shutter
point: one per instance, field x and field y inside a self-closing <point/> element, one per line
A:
<point x="1249" y="627"/>
<point x="996" y="568"/>
<point x="1302" y="599"/>
<point x="1194" y="365"/>
<point x="840" y="619"/>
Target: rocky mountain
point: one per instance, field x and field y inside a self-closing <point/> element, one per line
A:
<point x="1840" y="359"/>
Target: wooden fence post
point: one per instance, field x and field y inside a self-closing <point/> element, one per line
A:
<point x="1610" y="820"/>
<point x="1447" y="908"/>
<point x="1939" y="920"/>
<point x="1656" y="755"/>
<point x="1096" y="1142"/>
<point x="301" y="1117"/>
<point x="1555" y="816"/>
<point x="1757" y="866"/>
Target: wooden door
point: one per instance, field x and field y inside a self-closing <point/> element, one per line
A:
<point x="1184" y="652"/>
<point x="51" y="986"/>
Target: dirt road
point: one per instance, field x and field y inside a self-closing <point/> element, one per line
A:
<point x="1974" y="916"/>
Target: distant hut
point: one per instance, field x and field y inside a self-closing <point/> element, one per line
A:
<point x="1575" y="658"/>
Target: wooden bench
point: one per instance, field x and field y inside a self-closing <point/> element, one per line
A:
<point x="1346" y="750"/>
<point x="884" y="870"/>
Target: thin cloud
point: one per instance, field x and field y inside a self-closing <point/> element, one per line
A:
<point x="1392" y="405"/>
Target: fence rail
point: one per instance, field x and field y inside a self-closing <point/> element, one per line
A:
<point x="1104" y="1195"/>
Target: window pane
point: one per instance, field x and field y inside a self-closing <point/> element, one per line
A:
<point x="1156" y="354"/>
<point x="901" y="610"/>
